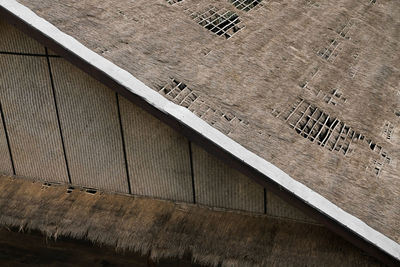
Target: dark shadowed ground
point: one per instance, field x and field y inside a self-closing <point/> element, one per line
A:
<point x="33" y="249"/>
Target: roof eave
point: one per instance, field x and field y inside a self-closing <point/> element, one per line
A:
<point x="198" y="131"/>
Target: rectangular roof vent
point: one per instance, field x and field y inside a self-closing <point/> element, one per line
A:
<point x="245" y="5"/>
<point x="182" y="95"/>
<point x="317" y="126"/>
<point x="171" y="2"/>
<point x="219" y="21"/>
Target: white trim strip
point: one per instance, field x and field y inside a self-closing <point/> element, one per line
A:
<point x="192" y="121"/>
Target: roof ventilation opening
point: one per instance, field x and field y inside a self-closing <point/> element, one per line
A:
<point x="45" y="185"/>
<point x="182" y="95"/>
<point x="90" y="191"/>
<point x="317" y="126"/>
<point x="179" y="93"/>
<point x="334" y="98"/>
<point x="171" y="2"/>
<point x="388" y="130"/>
<point x="331" y="51"/>
<point x="219" y="21"/>
<point x="245" y="5"/>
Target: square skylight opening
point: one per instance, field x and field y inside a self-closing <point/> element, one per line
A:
<point x="171" y="2"/>
<point x="221" y="22"/>
<point x="245" y="5"/>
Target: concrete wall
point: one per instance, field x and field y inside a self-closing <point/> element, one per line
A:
<point x="64" y="126"/>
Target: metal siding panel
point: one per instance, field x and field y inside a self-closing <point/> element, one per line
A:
<point x="51" y="52"/>
<point x="216" y="184"/>
<point x="30" y="117"/>
<point x="278" y="208"/>
<point x="90" y="126"/>
<point x="12" y="40"/>
<point x="158" y="157"/>
<point x="5" y="159"/>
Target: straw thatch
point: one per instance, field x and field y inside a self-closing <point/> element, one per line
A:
<point x="335" y="55"/>
<point x="165" y="229"/>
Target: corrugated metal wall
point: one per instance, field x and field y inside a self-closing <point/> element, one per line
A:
<point x="158" y="157"/>
<point x="65" y="126"/>
<point x="218" y="185"/>
<point x="89" y="121"/>
<point x="13" y="41"/>
<point x="279" y="208"/>
<point x="29" y="114"/>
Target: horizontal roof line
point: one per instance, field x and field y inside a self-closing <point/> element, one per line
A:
<point x="265" y="173"/>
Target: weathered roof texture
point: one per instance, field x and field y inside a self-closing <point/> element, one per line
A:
<point x="166" y="229"/>
<point x="335" y="61"/>
<point x="310" y="86"/>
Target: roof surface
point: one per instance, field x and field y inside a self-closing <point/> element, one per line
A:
<point x="261" y="79"/>
<point x="164" y="229"/>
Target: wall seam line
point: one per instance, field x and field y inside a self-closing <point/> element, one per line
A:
<point x="265" y="201"/>
<point x="7" y="139"/>
<point x="192" y="171"/>
<point x="123" y="144"/>
<point x="26" y="54"/>
<point x="58" y="115"/>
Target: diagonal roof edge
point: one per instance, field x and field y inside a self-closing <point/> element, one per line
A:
<point x="215" y="142"/>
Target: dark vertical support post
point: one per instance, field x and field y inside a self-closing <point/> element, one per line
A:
<point x="7" y="139"/>
<point x="123" y="143"/>
<point x="192" y="172"/>
<point x="265" y="201"/>
<point x="57" y="114"/>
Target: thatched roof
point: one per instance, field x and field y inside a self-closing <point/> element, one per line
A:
<point x="166" y="229"/>
<point x="332" y="59"/>
<point x="313" y="82"/>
